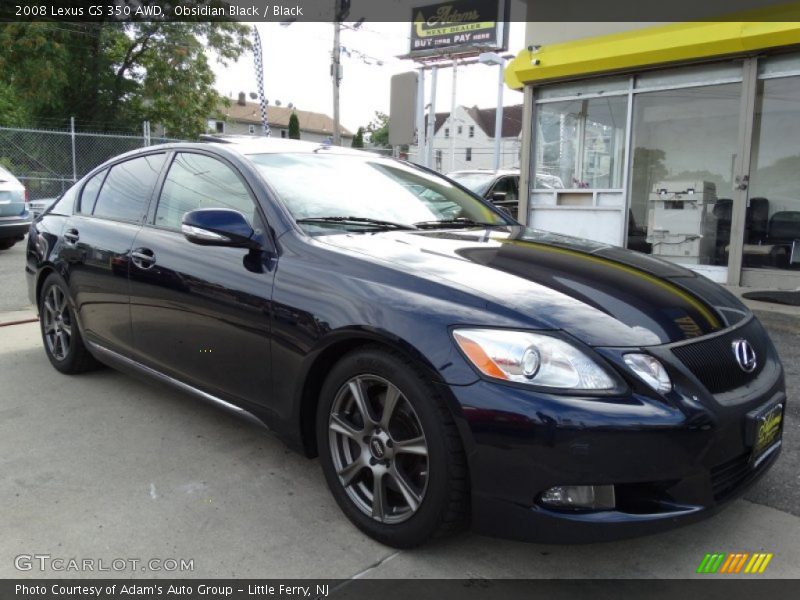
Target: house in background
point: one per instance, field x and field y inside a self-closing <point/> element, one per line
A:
<point x="472" y="130"/>
<point x="244" y="118"/>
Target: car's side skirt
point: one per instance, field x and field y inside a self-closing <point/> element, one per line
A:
<point x="105" y="355"/>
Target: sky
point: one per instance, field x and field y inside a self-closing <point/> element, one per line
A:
<point x="297" y="60"/>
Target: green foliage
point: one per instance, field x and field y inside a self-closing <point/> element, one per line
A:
<point x="378" y="130"/>
<point x="294" y="127"/>
<point x="358" y="138"/>
<point x="113" y="76"/>
<point x="13" y="112"/>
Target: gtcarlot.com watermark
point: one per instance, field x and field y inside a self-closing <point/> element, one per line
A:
<point x="59" y="564"/>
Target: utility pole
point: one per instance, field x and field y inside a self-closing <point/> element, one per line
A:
<point x="336" y="73"/>
<point x="342" y="10"/>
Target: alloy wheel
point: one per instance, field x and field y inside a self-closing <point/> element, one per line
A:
<point x="57" y="323"/>
<point x="379" y="449"/>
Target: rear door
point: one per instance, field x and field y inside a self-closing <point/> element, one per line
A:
<point x="97" y="240"/>
<point x="201" y="314"/>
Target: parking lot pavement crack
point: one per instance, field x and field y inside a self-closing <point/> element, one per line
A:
<point x="377" y="564"/>
<point x="18" y="322"/>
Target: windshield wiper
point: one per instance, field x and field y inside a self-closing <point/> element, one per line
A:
<point x="357" y="221"/>
<point x="459" y="222"/>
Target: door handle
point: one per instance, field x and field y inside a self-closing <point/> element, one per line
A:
<point x="71" y="236"/>
<point x="144" y="258"/>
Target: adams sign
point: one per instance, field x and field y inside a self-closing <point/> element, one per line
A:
<point x="459" y="27"/>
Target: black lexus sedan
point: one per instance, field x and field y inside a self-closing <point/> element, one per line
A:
<point x="447" y="365"/>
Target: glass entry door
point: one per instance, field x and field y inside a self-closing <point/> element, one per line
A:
<point x="771" y="249"/>
<point x="684" y="156"/>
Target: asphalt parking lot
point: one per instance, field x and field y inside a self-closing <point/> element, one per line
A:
<point x="104" y="466"/>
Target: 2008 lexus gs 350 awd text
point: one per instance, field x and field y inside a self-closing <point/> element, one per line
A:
<point x="448" y="366"/>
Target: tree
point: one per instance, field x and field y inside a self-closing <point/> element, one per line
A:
<point x="358" y="139"/>
<point x="114" y="75"/>
<point x="378" y="130"/>
<point x="294" y="127"/>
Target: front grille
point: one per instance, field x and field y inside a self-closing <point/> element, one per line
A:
<point x="728" y="476"/>
<point x="712" y="360"/>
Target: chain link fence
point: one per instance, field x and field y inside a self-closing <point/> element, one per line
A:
<point x="48" y="161"/>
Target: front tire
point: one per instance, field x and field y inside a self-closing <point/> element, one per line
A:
<point x="389" y="449"/>
<point x="61" y="336"/>
<point x="7" y="243"/>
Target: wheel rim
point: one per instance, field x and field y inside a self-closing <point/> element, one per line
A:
<point x="57" y="323"/>
<point x="379" y="449"/>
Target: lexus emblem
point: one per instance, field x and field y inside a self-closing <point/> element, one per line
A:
<point x="377" y="448"/>
<point x="745" y="355"/>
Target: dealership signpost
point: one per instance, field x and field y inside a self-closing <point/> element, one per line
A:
<point x="445" y="34"/>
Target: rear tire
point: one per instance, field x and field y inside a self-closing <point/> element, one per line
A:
<point x="61" y="335"/>
<point x="401" y="477"/>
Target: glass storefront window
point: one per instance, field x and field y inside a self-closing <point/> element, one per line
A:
<point x="694" y="74"/>
<point x="584" y="87"/>
<point x="772" y="229"/>
<point x="581" y="143"/>
<point x="777" y="65"/>
<point x="684" y="149"/>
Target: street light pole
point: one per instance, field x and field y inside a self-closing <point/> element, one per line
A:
<point x="431" y="122"/>
<point x="453" y="116"/>
<point x="498" y="121"/>
<point x="491" y="58"/>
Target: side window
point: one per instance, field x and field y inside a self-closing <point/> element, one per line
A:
<point x="65" y="204"/>
<point x="198" y="181"/>
<point x="127" y="188"/>
<point x="508" y="186"/>
<point x="89" y="193"/>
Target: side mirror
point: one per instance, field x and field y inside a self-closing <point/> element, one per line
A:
<point x="498" y="196"/>
<point x="218" y="227"/>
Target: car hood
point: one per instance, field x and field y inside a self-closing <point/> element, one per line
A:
<point x="601" y="294"/>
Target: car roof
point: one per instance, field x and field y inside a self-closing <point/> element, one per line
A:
<point x="247" y="144"/>
<point x="243" y="145"/>
<point x="7" y="178"/>
<point x="485" y="172"/>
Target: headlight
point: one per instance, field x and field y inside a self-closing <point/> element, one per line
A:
<point x="532" y="358"/>
<point x="649" y="370"/>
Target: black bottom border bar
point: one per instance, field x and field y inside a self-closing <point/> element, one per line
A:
<point x="710" y="587"/>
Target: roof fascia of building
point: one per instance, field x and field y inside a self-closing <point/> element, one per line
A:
<point x="674" y="43"/>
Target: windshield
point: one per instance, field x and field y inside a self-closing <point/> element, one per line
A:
<point x="369" y="190"/>
<point x="477" y="182"/>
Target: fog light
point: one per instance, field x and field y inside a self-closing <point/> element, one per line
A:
<point x="592" y="497"/>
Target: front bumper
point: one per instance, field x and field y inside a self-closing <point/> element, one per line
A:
<point x="670" y="464"/>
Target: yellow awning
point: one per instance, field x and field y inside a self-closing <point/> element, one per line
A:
<point x="679" y="42"/>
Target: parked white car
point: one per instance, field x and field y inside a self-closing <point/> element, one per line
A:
<point x="37" y="207"/>
<point x="15" y="217"/>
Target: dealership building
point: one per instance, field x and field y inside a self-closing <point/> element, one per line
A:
<point x="681" y="140"/>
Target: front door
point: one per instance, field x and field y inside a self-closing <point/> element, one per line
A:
<point x="201" y="313"/>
